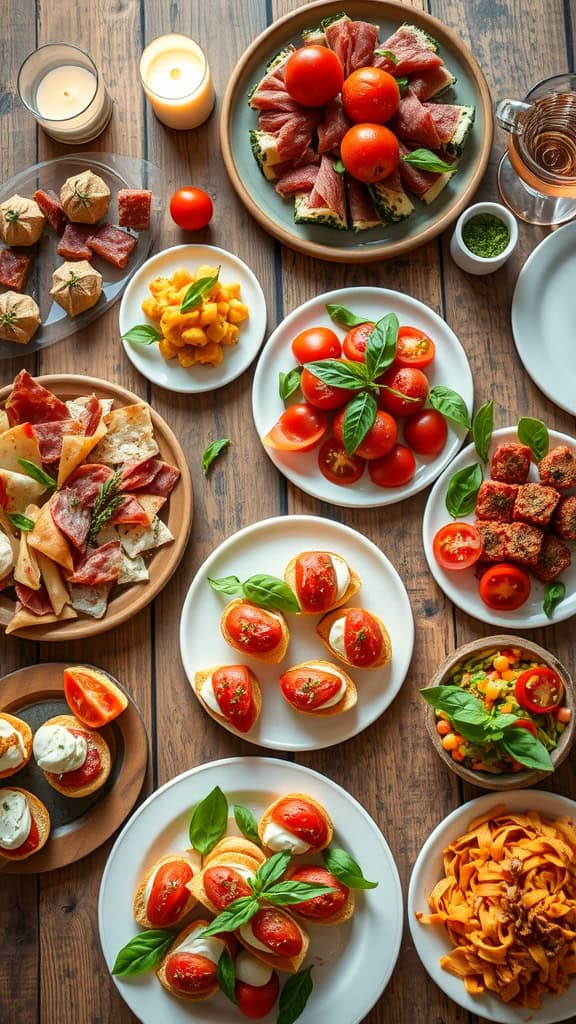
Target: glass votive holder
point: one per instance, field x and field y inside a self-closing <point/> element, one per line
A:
<point x="62" y="87"/>
<point x="177" y="81"/>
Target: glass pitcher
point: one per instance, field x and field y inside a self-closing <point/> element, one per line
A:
<point x="537" y="176"/>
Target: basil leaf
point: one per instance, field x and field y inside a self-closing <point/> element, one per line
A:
<point x="229" y="585"/>
<point x="339" y="167"/>
<point x="359" y="416"/>
<point x="212" y="452"/>
<point x="482" y="427"/>
<point x="450" y="404"/>
<point x="344" y="317"/>
<point x="340" y="373"/>
<point x="534" y="433"/>
<point x="247" y="823"/>
<point x="236" y="914"/>
<point x="452" y="699"/>
<point x="272" y="870"/>
<point x="286" y="894"/>
<point x="209" y="821"/>
<point x="388" y="53"/>
<point x="270" y="592"/>
<point x="288" y="383"/>
<point x="197" y="291"/>
<point x="463" y="490"/>
<point x="346" y="869"/>
<point x="526" y="749"/>
<point x="555" y="592"/>
<point x="143" y="952"/>
<point x="21" y="522"/>
<point x="142" y="334"/>
<point x="425" y="160"/>
<point x="226" y="976"/>
<point x="381" y="345"/>
<point x="500" y="722"/>
<point x="37" y="473"/>
<point x="294" y="996"/>
<point x="402" y="84"/>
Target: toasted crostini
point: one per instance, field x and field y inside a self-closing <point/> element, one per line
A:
<point x="328" y="909"/>
<point x="236" y="844"/>
<point x="223" y="880"/>
<point x="163" y="898"/>
<point x="75" y="760"/>
<point x="230" y="694"/>
<point x="297" y="823"/>
<point x="275" y="937"/>
<point x="321" y="580"/>
<point x="189" y="968"/>
<point x="15" y="744"/>
<point x="356" y="636"/>
<point x="318" y="688"/>
<point x="255" y="631"/>
<point x="24" y="823"/>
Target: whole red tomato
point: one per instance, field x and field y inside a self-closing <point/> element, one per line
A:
<point x="313" y="75"/>
<point x="316" y="343"/>
<point x="381" y="436"/>
<point x="395" y="470"/>
<point x="255" y="1001"/>
<point x="320" y="395"/>
<point x="426" y="432"/>
<point x="370" y="152"/>
<point x="191" y="208"/>
<point x="403" y="380"/>
<point x="370" y="95"/>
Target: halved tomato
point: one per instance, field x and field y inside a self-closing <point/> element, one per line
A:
<point x="504" y="587"/>
<point x="299" y="429"/>
<point x="414" y="348"/>
<point x="539" y="690"/>
<point x="354" y="344"/>
<point x="337" y="465"/>
<point x="457" y="546"/>
<point x="92" y="696"/>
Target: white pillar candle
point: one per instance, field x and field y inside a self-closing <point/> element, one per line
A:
<point x="62" y="87"/>
<point x="177" y="81"/>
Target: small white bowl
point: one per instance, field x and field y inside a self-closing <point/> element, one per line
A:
<point x="479" y="265"/>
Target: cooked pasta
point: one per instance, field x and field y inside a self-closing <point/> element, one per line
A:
<point x="508" y="903"/>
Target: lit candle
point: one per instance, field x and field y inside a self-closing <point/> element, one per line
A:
<point x="65" y="92"/>
<point x="177" y="81"/>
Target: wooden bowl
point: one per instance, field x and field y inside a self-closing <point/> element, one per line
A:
<point x="531" y="651"/>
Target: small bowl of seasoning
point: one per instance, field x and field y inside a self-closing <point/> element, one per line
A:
<point x="484" y="237"/>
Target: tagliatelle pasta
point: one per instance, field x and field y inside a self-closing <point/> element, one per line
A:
<point x="508" y="903"/>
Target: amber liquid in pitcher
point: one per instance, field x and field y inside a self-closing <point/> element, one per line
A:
<point x="543" y="152"/>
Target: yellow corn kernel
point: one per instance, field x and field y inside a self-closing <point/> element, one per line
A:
<point x="182" y="277"/>
<point x="159" y="285"/>
<point x="223" y="306"/>
<point x="208" y="313"/>
<point x="217" y="332"/>
<point x="151" y="308"/>
<point x="195" y="336"/>
<point x="238" y="311"/>
<point x="233" y="290"/>
<point x="167" y="349"/>
<point x="231" y="336"/>
<point x="211" y="353"/>
<point x="187" y="356"/>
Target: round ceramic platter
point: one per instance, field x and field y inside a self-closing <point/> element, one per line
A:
<point x="35" y="694"/>
<point x="450" y="368"/>
<point x="177" y="514"/>
<point x="352" y="963"/>
<point x="276" y="215"/>
<point x="267" y="547"/>
<point x="462" y="587"/>
<point x="237" y="358"/>
<point x="432" y="942"/>
<point x="118" y="172"/>
<point x="544" y="315"/>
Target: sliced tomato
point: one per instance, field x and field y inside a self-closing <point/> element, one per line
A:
<point x="233" y="690"/>
<point x="316" y="581"/>
<point x="256" y="1001"/>
<point x="308" y="689"/>
<point x="252" y="628"/>
<point x="169" y="895"/>
<point x="92" y="696"/>
<point x="337" y="465"/>
<point x="457" y="546"/>
<point x="539" y="690"/>
<point x="29" y="844"/>
<point x="277" y="931"/>
<point x="191" y="973"/>
<point x="414" y="348"/>
<point x="426" y="432"/>
<point x="321" y="395"/>
<point x="525" y="723"/>
<point x="299" y="429"/>
<point x="396" y="469"/>
<point x="89" y="770"/>
<point x="303" y="819"/>
<point x="223" y="885"/>
<point x="354" y="344"/>
<point x="504" y="587"/>
<point x="320" y="907"/>
<point x="362" y="638"/>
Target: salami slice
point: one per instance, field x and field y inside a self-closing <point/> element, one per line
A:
<point x="14" y="269"/>
<point x="74" y="242"/>
<point x="30" y="402"/>
<point x="333" y="126"/>
<point x="36" y="601"/>
<point x="49" y="203"/>
<point x="134" y="208"/>
<point x="113" y="244"/>
<point x="71" y="517"/>
<point x="152" y="475"/>
<point x="92" y="415"/>
<point x="87" y="480"/>
<point x="50" y="436"/>
<point x="164" y="481"/>
<point x="100" y="565"/>
<point x="130" y="511"/>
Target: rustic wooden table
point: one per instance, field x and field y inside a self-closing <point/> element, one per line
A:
<point x="51" y="968"/>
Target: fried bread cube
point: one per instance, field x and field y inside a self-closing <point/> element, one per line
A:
<point x="564" y="520"/>
<point x="511" y="463"/>
<point x="495" y="501"/>
<point x="494" y="537"/>
<point x="553" y="559"/>
<point x="535" y="504"/>
<point x="558" y="468"/>
<point x="523" y="543"/>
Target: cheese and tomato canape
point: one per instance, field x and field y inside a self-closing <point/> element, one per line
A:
<point x="318" y="688"/>
<point x="356" y="636"/>
<point x="163" y="898"/>
<point x="257" y="985"/>
<point x="24" y="823"/>
<point x="275" y="937"/>
<point x="297" y="823"/>
<point x="76" y="761"/>
<point x="189" y="969"/>
<point x="223" y="880"/>
<point x="321" y="580"/>
<point x="255" y="631"/>
<point x="329" y="908"/>
<point x="230" y="693"/>
<point x="15" y="744"/>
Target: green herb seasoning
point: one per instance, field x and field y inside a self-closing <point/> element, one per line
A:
<point x="485" y="235"/>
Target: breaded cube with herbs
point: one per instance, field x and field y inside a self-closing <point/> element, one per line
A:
<point x="564" y="520"/>
<point x="553" y="559"/>
<point x="495" y="501"/>
<point x="558" y="468"/>
<point x="494" y="537"/>
<point x="535" y="504"/>
<point x="523" y="543"/>
<point x="511" y="463"/>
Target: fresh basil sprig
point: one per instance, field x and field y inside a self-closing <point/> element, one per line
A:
<point x="271" y="871"/>
<point x="237" y="913"/>
<point x="534" y="433"/>
<point x="450" y="404"/>
<point x="463" y="490"/>
<point x="426" y="160"/>
<point x="226" y="976"/>
<point x="294" y="996"/>
<point x="555" y="592"/>
<point x="212" y="452"/>
<point x="143" y="334"/>
<point x="143" y="952"/>
<point x="346" y="869"/>
<point x="344" y="317"/>
<point x="482" y="427"/>
<point x="289" y="382"/>
<point x="247" y="823"/>
<point x="340" y="373"/>
<point x="359" y="416"/>
<point x="37" y="473"/>
<point x="527" y="749"/>
<point x="197" y="291"/>
<point x="209" y="821"/>
<point x="21" y="522"/>
<point x="265" y="591"/>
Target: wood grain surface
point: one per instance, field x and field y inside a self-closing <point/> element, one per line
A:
<point x="51" y="968"/>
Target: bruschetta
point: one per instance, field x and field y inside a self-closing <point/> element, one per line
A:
<point x="328" y="909"/>
<point x="163" y="897"/>
<point x="274" y="936"/>
<point x="189" y="969"/>
<point x="15" y="744"/>
<point x="223" y="880"/>
<point x="76" y="760"/>
<point x="356" y="637"/>
<point x="321" y="580"/>
<point x="318" y="688"/>
<point x="230" y="694"/>
<point x="24" y="823"/>
<point x="295" y="822"/>
<point x="255" y="631"/>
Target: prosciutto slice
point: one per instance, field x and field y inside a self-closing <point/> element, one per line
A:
<point x="271" y="93"/>
<point x="100" y="565"/>
<point x="300" y="179"/>
<point x="429" y="81"/>
<point x="414" y="123"/>
<point x="30" y="402"/>
<point x="411" y="53"/>
<point x="328" y="189"/>
<point x="92" y="415"/>
<point x="333" y="126"/>
<point x="36" y="601"/>
<point x="71" y="517"/>
<point x="50" y="436"/>
<point x="445" y="117"/>
<point x="362" y="209"/>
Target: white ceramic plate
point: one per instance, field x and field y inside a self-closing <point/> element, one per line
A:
<point x="462" y="587"/>
<point x="237" y="358"/>
<point x="450" y="368"/>
<point x="353" y="962"/>
<point x="432" y="942"/>
<point x="544" y="316"/>
<point x="267" y="547"/>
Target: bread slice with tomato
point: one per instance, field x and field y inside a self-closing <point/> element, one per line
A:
<point x="300" y="816"/>
<point x="321" y="580"/>
<point x="163" y="898"/>
<point x="318" y="688"/>
<point x="356" y="637"/>
<point x="189" y="968"/>
<point x="281" y="928"/>
<point x="234" y="690"/>
<point x="40" y="824"/>
<point x="223" y="879"/>
<point x="15" y="744"/>
<point x="255" y="631"/>
<point x="325" y="910"/>
<point x="93" y="773"/>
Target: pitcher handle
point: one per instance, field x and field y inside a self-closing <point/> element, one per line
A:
<point x="507" y="112"/>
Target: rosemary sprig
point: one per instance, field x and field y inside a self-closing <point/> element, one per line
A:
<point x="82" y="197"/>
<point x="107" y="501"/>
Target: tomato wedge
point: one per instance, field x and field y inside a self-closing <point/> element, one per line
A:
<point x="504" y="587"/>
<point x="299" y="429"/>
<point x="414" y="348"/>
<point x="337" y="465"/>
<point x="539" y="690"/>
<point x="92" y="696"/>
<point x="457" y="546"/>
<point x="525" y="723"/>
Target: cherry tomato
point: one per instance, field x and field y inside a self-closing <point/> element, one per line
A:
<point x="369" y="152"/>
<point x="88" y="771"/>
<point x="316" y="583"/>
<point x="302" y="819"/>
<point x="169" y="894"/>
<point x="255" y="1001"/>
<point x="92" y="696"/>
<point x="316" y="343"/>
<point x="407" y="381"/>
<point x="362" y="638"/>
<point x="313" y="75"/>
<point x="277" y="931"/>
<point x="320" y="907"/>
<point x="29" y="844"/>
<point x="354" y="344"/>
<point x="370" y="95"/>
<point x="299" y="429"/>
<point x="223" y="885"/>
<point x="457" y="546"/>
<point x="414" y="348"/>
<point x="395" y="469"/>
<point x="539" y="690"/>
<point x="191" y="973"/>
<point x="320" y="395"/>
<point x="504" y="587"/>
<point x="191" y="208"/>
<point x="379" y="440"/>
<point x="337" y="465"/>
<point x="525" y="723"/>
<point x="426" y="432"/>
<point x="233" y="690"/>
<point x="308" y="689"/>
<point x="253" y="628"/>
